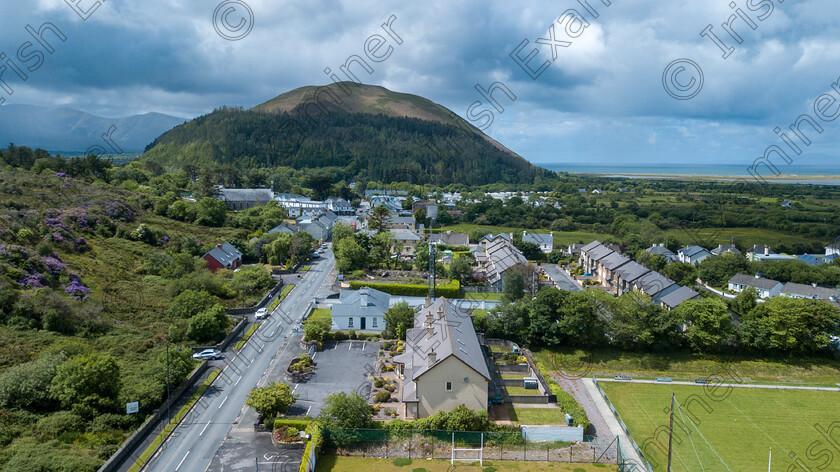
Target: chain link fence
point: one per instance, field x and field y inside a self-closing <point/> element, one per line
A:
<point x="438" y="444"/>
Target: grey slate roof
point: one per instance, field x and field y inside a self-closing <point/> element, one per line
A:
<point x="614" y="260"/>
<point x="631" y="271"/>
<point x="451" y="239"/>
<point x="226" y="254"/>
<point x="752" y="281"/>
<point x="500" y="256"/>
<point x="678" y="296"/>
<point x="661" y="250"/>
<point x="809" y="291"/>
<point x="653" y="283"/>
<point x="246" y="194"/>
<point x="453" y="335"/>
<point x="405" y="235"/>
<point x="363" y="302"/>
<point x="599" y="252"/>
<point x="282" y="228"/>
<point x="691" y="251"/>
<point x="722" y="248"/>
<point x="759" y="249"/>
<point x="590" y="246"/>
<point x="538" y="238"/>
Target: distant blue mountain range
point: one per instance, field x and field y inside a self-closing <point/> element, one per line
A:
<point x="69" y="131"/>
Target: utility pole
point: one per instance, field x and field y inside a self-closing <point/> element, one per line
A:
<point x="168" y="397"/>
<point x="671" y="434"/>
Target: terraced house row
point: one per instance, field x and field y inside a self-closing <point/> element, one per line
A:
<point x="618" y="274"/>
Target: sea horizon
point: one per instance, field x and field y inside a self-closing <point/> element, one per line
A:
<point x="711" y="170"/>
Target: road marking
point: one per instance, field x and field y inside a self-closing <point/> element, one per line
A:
<point x="237" y="381"/>
<point x="296" y="386"/>
<point x="313" y="356"/>
<point x="223" y="402"/>
<point x="182" y="460"/>
<point x="350" y="345"/>
<point x="363" y="345"/>
<point x="307" y="410"/>
<point x="205" y="427"/>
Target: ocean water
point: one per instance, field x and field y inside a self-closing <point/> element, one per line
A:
<point x="687" y="169"/>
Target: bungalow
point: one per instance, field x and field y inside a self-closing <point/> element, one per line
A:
<point x="813" y="292"/>
<point x="362" y="309"/>
<point x="544" y="241"/>
<point x="766" y="288"/>
<point x="443" y="365"/>
<point x="223" y="256"/>
<point x="692" y="254"/>
<point x="759" y="249"/>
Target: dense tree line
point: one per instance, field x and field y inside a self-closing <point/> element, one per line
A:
<point x="592" y="319"/>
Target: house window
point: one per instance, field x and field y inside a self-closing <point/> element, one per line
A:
<point x="448" y="386"/>
<point x="350" y="323"/>
<point x="374" y="322"/>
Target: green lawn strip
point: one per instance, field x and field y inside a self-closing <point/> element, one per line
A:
<point x="330" y="463"/>
<point x="323" y="314"/>
<point x="285" y="291"/>
<point x="147" y="453"/>
<point x="306" y="268"/>
<point x="740" y="424"/>
<point x="245" y="337"/>
<point x="482" y="296"/>
<point x="514" y="375"/>
<point x="521" y="390"/>
<point x="499" y="348"/>
<point x="810" y="371"/>
<point x="535" y="416"/>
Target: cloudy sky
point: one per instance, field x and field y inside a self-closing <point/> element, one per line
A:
<point x="600" y="100"/>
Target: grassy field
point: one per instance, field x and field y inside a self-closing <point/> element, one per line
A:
<point x="711" y="237"/>
<point x="482" y="296"/>
<point x="525" y="415"/>
<point x="817" y="371"/>
<point x="741" y="427"/>
<point x="366" y="464"/>
<point x="324" y="314"/>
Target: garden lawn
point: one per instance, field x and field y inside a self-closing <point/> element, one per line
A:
<point x="323" y="314"/>
<point x="810" y="371"/>
<point x="525" y="415"/>
<point x="741" y="428"/>
<point x="366" y="464"/>
<point x="482" y="296"/>
<point x="521" y="390"/>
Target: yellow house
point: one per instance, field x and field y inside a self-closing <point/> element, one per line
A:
<point x="443" y="365"/>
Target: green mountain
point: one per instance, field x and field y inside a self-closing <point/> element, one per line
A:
<point x="359" y="131"/>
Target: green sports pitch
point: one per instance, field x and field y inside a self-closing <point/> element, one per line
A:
<point x="718" y="428"/>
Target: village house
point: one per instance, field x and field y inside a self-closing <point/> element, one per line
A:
<point x="692" y="255"/>
<point x="661" y="250"/>
<point x="544" y="241"/>
<point x="361" y="310"/>
<point x="244" y="198"/>
<point x="443" y="365"/>
<point x="409" y="240"/>
<point x="223" y="256"/>
<point x="766" y="288"/>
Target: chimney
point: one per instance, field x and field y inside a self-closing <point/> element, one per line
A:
<point x="766" y="250"/>
<point x="720" y="247"/>
<point x="814" y="285"/>
<point x="363" y="298"/>
<point x="440" y="312"/>
<point x="430" y="331"/>
<point x="757" y="276"/>
<point x="428" y="301"/>
<point x="432" y="357"/>
<point x="219" y="245"/>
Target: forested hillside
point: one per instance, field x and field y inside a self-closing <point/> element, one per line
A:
<point x="366" y="143"/>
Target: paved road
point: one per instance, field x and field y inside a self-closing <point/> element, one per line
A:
<point x="195" y="441"/>
<point x="560" y="277"/>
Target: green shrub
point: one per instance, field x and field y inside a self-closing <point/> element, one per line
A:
<point x="401" y="462"/>
<point x="378" y="383"/>
<point x="339" y="336"/>
<point x="382" y="396"/>
<point x="60" y="422"/>
<point x="351" y="334"/>
<point x="450" y="290"/>
<point x="109" y="422"/>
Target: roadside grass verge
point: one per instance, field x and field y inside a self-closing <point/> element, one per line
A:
<point x="245" y="337"/>
<point x="147" y="453"/>
<point x="285" y="291"/>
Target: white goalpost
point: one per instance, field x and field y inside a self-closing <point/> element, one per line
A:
<point x="455" y="452"/>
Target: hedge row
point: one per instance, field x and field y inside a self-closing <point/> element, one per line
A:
<point x="450" y="290"/>
<point x="565" y="401"/>
<point x="316" y="440"/>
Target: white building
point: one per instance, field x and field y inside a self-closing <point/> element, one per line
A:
<point x="766" y="288"/>
<point x="361" y="310"/>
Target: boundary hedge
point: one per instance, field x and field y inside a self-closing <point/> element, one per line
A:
<point x="450" y="290"/>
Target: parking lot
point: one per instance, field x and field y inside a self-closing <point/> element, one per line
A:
<point x="341" y="367"/>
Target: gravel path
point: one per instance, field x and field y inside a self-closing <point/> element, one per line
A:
<point x="598" y="426"/>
